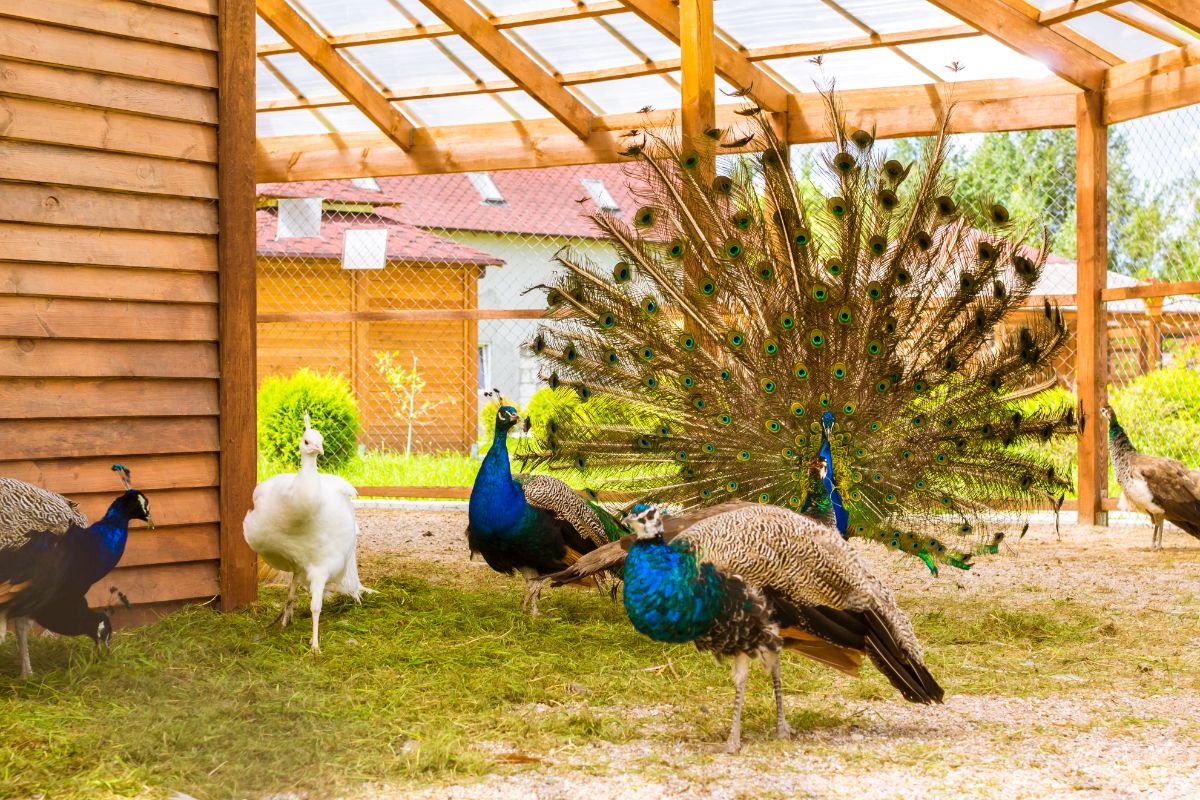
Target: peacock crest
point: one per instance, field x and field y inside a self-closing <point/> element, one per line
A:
<point x="748" y="321"/>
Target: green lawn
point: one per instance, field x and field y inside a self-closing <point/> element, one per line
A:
<point x="412" y="683"/>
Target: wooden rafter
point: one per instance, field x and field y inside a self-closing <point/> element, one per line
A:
<point x="1185" y="12"/>
<point x="1076" y="9"/>
<point x="514" y="62"/>
<point x="574" y="12"/>
<point x="349" y="81"/>
<point x="732" y="65"/>
<point x="896" y="51"/>
<point x="867" y="42"/>
<point x="1021" y="31"/>
<point x="1162" y="33"/>
<point x="899" y="111"/>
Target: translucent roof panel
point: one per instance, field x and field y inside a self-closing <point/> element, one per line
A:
<point x="264" y="33"/>
<point x="1155" y="21"/>
<point x="896" y="16"/>
<point x="471" y="109"/>
<point x="981" y="58"/>
<point x="643" y="37"/>
<point x="1118" y="38"/>
<point x="502" y="8"/>
<point x="301" y="74"/>
<point x="764" y="23"/>
<point x="580" y="45"/>
<point x="342" y="119"/>
<point x="339" y="17"/>
<point x="418" y="62"/>
<point x="857" y="69"/>
<point x="630" y="94"/>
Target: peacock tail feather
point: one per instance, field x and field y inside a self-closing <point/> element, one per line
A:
<point x="729" y="324"/>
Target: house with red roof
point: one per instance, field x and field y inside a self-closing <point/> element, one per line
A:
<point x="344" y="289"/>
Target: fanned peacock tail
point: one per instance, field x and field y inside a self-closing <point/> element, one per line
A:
<point x="738" y="312"/>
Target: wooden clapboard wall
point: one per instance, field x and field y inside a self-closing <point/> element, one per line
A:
<point x="114" y="146"/>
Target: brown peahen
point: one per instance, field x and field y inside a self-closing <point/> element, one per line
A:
<point x="1161" y="487"/>
<point x="747" y="580"/>
<point x="751" y="324"/>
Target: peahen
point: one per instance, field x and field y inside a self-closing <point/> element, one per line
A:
<point x="746" y="580"/>
<point x="751" y="323"/>
<point x="304" y="523"/>
<point x="1161" y="487"/>
<point x="45" y="573"/>
<point x="535" y="526"/>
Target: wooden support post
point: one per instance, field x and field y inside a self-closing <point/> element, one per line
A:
<point x="1091" y="357"/>
<point x="699" y="101"/>
<point x="235" y="245"/>
<point x="1154" y="314"/>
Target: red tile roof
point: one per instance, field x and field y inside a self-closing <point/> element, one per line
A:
<point x="337" y="191"/>
<point x="537" y="201"/>
<point x="405" y="243"/>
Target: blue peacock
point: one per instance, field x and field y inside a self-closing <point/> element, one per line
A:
<point x="747" y="580"/>
<point x="49" y="562"/>
<point x="535" y="526"/>
<point x="870" y="319"/>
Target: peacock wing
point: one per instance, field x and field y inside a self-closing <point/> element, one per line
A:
<point x="1175" y="488"/>
<point x="25" y="509"/>
<point x="704" y="359"/>
<point x="552" y="495"/>
<point x="32" y="571"/>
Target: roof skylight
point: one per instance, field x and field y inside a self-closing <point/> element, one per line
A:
<point x="367" y="184"/>
<point x="489" y="193"/>
<point x="600" y="194"/>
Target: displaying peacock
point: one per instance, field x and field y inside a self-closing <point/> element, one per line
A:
<point x="535" y="526"/>
<point x="868" y="319"/>
<point x="748" y="580"/>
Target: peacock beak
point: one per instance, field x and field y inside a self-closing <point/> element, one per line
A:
<point x="149" y="521"/>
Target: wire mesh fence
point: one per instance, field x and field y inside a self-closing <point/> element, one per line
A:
<point x="1154" y="237"/>
<point x="410" y="297"/>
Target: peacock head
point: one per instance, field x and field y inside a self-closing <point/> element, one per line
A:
<point x="312" y="443"/>
<point x="827" y="422"/>
<point x="133" y="504"/>
<point x="1114" y="427"/>
<point x="102" y="636"/>
<point x="506" y="417"/>
<point x="646" y="521"/>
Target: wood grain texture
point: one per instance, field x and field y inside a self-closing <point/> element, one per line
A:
<point x="71" y="438"/>
<point x="39" y="317"/>
<point x="168" y="507"/>
<point x="1152" y="95"/>
<point x="236" y="245"/>
<point x="69" y="166"/>
<point x="158" y="583"/>
<point x="120" y="18"/>
<point x="1150" y="290"/>
<point x="29" y="357"/>
<point x="1091" y="360"/>
<point x="42" y="204"/>
<point x="51" y="398"/>
<point x="92" y="52"/>
<point x="117" y="92"/>
<point x="101" y="129"/>
<point x="172" y="545"/>
<point x="111" y="247"/>
<point x="107" y="283"/>
<point x="73" y="476"/>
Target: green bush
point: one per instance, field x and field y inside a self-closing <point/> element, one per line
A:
<point x="1161" y="413"/>
<point x="328" y="400"/>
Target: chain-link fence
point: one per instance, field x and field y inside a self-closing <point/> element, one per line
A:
<point x="411" y="296"/>
<point x="1154" y="238"/>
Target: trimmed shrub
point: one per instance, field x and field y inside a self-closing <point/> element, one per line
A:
<point x="328" y="400"/>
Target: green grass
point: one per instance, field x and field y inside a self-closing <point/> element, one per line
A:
<point x="412" y="682"/>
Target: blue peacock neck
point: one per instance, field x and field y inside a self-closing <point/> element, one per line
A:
<point x="497" y="502"/>
<point x="102" y="544"/>
<point x="668" y="595"/>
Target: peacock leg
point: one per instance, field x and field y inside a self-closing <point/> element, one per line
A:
<point x="23" y="646"/>
<point x="289" y="606"/>
<point x="771" y="662"/>
<point x="316" y="586"/>
<point x="741" y="668"/>
<point x="533" y="589"/>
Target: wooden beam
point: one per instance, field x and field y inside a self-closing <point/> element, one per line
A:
<point x="1165" y="32"/>
<point x="1152" y="95"/>
<point x="513" y="62"/>
<point x="698" y="102"/>
<point x="732" y="65"/>
<point x="901" y="111"/>
<point x="1184" y="12"/>
<point x="867" y="42"/>
<point x="1150" y="290"/>
<point x="1091" y="355"/>
<point x="575" y="12"/>
<point x="345" y="78"/>
<point x="235" y="244"/>
<point x="1022" y="32"/>
<point x="1076" y="9"/>
<point x="1156" y="64"/>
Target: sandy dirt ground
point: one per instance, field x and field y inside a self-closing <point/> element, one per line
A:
<point x="1145" y="744"/>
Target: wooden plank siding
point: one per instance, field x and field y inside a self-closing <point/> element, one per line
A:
<point x="112" y="273"/>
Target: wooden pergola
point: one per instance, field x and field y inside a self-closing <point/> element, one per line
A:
<point x="128" y="159"/>
<point x="1089" y="89"/>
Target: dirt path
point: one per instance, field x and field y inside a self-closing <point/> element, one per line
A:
<point x="1116" y="745"/>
